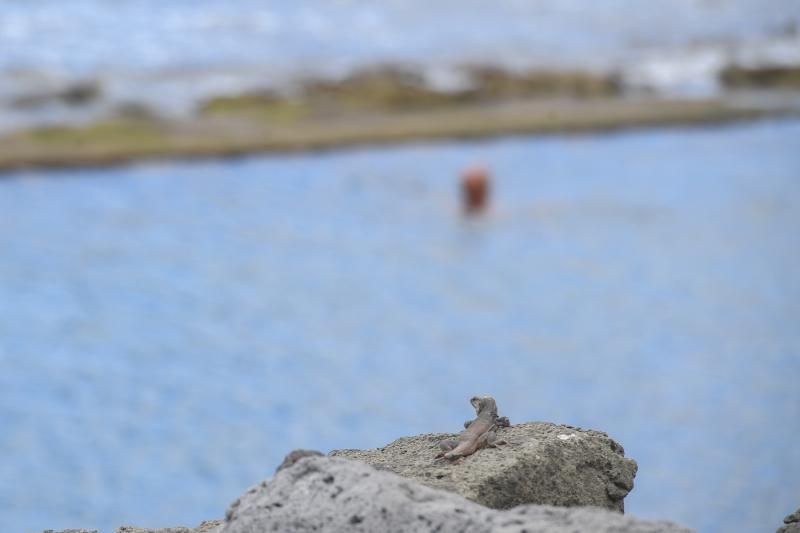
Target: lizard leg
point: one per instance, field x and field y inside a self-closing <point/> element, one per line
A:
<point x="492" y="441"/>
<point x="484" y="440"/>
<point x="448" y="445"/>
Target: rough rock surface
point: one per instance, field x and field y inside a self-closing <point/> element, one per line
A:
<point x="791" y="524"/>
<point x="541" y="463"/>
<point x="208" y="526"/>
<point x="294" y="456"/>
<point x="335" y="494"/>
<point x="70" y="531"/>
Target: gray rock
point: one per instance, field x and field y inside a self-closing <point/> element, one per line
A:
<point x="70" y="531"/>
<point x="208" y="526"/>
<point x="550" y="519"/>
<point x="541" y="463"/>
<point x="791" y="523"/>
<point x="74" y="94"/>
<point x="334" y="494"/>
<point x="294" y="456"/>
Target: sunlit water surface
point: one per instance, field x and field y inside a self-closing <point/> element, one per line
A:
<point x="169" y="331"/>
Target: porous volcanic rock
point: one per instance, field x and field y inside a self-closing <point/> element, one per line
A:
<point x="334" y="494"/>
<point x="208" y="526"/>
<point x="70" y="531"/>
<point x="541" y="463"/>
<point x="791" y="524"/>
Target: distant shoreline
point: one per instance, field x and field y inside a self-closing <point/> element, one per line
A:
<point x="124" y="140"/>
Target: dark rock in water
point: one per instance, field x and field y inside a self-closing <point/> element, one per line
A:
<point x="791" y="523"/>
<point x="491" y="83"/>
<point x="80" y="93"/>
<point x="541" y="463"/>
<point x="294" y="456"/>
<point x="765" y="77"/>
<point x="336" y="494"/>
<point x="76" y="94"/>
<point x="134" y="111"/>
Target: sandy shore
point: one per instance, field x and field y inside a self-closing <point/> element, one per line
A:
<point x="126" y="139"/>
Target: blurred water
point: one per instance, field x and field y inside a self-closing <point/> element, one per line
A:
<point x="171" y="54"/>
<point x="169" y="331"/>
<point x="89" y="35"/>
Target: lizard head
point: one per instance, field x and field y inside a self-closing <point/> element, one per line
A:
<point x="484" y="404"/>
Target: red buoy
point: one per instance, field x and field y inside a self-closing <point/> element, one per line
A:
<point x="475" y="189"/>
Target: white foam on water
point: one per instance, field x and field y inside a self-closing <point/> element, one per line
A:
<point x="171" y="55"/>
<point x="694" y="70"/>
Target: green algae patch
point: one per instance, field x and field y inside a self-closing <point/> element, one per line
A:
<point x="490" y="82"/>
<point x="380" y="104"/>
<point x="106" y="141"/>
<point x="374" y="90"/>
<point x="262" y="105"/>
<point x="225" y="133"/>
<point x="389" y="89"/>
<point x="395" y="89"/>
<point x="113" y="132"/>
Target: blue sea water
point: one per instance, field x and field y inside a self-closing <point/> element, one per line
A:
<point x="168" y="331"/>
<point x="86" y="36"/>
<point x="171" y="55"/>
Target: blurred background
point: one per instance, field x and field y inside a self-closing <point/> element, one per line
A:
<point x="170" y="329"/>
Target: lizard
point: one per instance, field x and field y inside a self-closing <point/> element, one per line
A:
<point x="478" y="433"/>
